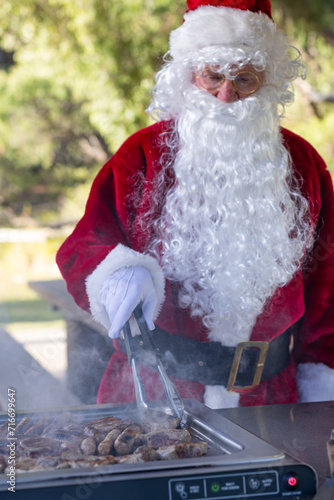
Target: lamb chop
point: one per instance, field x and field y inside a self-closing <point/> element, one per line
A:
<point x="142" y="454"/>
<point x="39" y="445"/>
<point x="155" y="439"/>
<point x="87" y="461"/>
<point x="182" y="450"/>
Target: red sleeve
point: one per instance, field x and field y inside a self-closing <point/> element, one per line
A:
<point x="316" y="335"/>
<point x="317" y="328"/>
<point x="108" y="218"/>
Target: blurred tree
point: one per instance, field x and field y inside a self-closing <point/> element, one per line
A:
<point x="310" y="25"/>
<point x="75" y="79"/>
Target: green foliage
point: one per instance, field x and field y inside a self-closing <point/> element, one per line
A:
<point x="304" y="16"/>
<point x="80" y="83"/>
<point x="81" y="80"/>
<point x="310" y="26"/>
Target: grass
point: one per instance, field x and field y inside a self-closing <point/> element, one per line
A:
<point x="21" y="263"/>
<point x="27" y="311"/>
<point x="23" y="313"/>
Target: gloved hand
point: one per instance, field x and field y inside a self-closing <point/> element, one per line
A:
<point x="123" y="291"/>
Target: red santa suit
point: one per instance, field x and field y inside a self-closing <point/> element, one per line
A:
<point x="110" y="236"/>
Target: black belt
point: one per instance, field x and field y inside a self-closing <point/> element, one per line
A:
<point x="210" y="363"/>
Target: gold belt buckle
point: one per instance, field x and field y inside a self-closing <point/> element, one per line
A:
<point x="263" y="346"/>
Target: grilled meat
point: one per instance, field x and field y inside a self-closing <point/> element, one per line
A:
<point x="60" y="422"/>
<point x="24" y="464"/>
<point x="25" y="424"/>
<point x="74" y="429"/>
<point x="91" y="432"/>
<point x="4" y="429"/>
<point x="39" y="427"/>
<point x="124" y="443"/>
<point x="107" y="445"/>
<point x="46" y="462"/>
<point x="158" y="420"/>
<point x="73" y="446"/>
<point x="39" y="445"/>
<point x="183" y="450"/>
<point x="88" y="461"/>
<point x="56" y="443"/>
<point x="142" y="454"/>
<point x="165" y="437"/>
<point x="72" y="455"/>
<point x="172" y="452"/>
<point x="88" y="446"/>
<point x="107" y="424"/>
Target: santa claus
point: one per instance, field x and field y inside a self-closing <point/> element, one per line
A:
<point x="218" y="222"/>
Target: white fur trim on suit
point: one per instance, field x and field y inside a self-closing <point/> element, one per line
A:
<point x="315" y="382"/>
<point x="224" y="26"/>
<point x="216" y="396"/>
<point x="120" y="257"/>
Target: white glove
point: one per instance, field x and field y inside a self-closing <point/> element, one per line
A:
<point x="123" y="291"/>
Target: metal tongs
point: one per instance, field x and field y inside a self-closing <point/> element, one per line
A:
<point x="173" y="398"/>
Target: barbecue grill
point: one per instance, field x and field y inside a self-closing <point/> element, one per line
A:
<point x="238" y="465"/>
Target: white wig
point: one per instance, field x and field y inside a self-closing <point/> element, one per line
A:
<point x="224" y="37"/>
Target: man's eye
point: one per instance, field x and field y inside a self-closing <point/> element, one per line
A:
<point x="244" y="79"/>
<point x="214" y="78"/>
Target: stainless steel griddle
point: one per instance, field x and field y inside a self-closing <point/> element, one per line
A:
<point x="238" y="465"/>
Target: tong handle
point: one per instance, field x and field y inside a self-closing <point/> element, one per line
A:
<point x="138" y="383"/>
<point x="173" y="396"/>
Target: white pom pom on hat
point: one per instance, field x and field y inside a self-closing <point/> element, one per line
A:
<point x="223" y="23"/>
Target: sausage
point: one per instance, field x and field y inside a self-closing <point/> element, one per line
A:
<point x="124" y="443"/>
<point x="106" y="446"/>
<point x="88" y="446"/>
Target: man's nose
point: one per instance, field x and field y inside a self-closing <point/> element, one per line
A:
<point x="227" y="92"/>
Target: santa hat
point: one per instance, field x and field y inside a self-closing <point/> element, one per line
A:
<point x="250" y="5"/>
<point x="224" y="23"/>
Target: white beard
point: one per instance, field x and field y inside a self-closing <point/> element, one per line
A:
<point x="233" y="229"/>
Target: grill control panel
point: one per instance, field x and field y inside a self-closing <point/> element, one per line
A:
<point x="286" y="482"/>
<point x="296" y="482"/>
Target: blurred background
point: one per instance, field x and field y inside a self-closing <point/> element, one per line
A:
<point x="75" y="79"/>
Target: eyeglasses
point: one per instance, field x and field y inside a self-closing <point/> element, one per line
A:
<point x="245" y="81"/>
